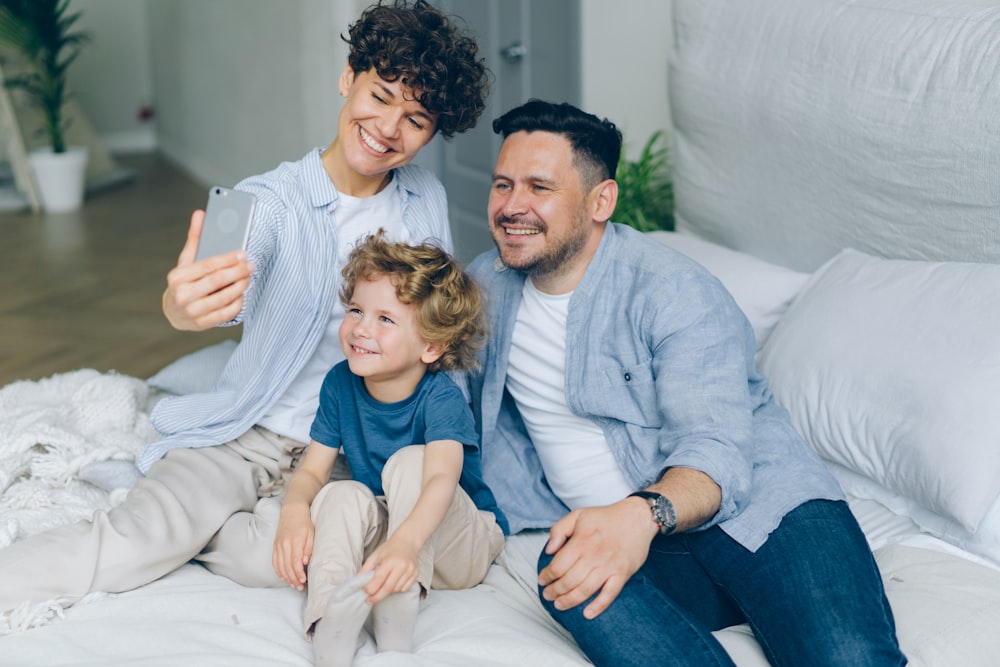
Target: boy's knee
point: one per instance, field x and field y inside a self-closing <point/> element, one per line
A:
<point x="341" y="493"/>
<point x="405" y="463"/>
<point x="406" y="458"/>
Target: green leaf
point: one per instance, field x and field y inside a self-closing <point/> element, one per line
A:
<point x="41" y="30"/>
<point x="645" y="188"/>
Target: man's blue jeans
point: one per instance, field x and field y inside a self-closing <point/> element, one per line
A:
<point x="812" y="595"/>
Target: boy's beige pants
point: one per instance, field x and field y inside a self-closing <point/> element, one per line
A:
<point x="218" y="505"/>
<point x="351" y="522"/>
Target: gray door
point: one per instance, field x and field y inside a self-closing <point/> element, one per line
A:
<point x="532" y="48"/>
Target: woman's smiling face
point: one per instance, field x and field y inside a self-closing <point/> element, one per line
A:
<point x="382" y="126"/>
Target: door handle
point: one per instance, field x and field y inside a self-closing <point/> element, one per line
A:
<point x="513" y="52"/>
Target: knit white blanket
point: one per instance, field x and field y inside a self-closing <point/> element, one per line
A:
<point x="49" y="431"/>
<point x="52" y="428"/>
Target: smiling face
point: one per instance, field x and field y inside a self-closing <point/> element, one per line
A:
<point x="382" y="342"/>
<point x="543" y="220"/>
<point x="381" y="127"/>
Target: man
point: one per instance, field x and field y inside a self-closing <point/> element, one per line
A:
<point x="620" y="407"/>
<point x="213" y="483"/>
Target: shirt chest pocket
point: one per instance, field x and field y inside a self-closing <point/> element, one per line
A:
<point x="624" y="393"/>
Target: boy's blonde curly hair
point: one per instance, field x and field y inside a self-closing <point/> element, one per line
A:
<point x="449" y="303"/>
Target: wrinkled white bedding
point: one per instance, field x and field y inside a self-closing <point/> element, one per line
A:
<point x="194" y="617"/>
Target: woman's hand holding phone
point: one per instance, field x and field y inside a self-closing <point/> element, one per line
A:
<point x="205" y="293"/>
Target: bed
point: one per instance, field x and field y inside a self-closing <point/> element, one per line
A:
<point x="836" y="167"/>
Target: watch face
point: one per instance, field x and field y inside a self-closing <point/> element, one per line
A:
<point x="662" y="510"/>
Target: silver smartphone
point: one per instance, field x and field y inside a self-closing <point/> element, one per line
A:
<point x="227" y="222"/>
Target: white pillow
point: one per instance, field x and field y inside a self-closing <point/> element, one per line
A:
<point x="761" y="289"/>
<point x="985" y="542"/>
<point x="194" y="373"/>
<point x="891" y="369"/>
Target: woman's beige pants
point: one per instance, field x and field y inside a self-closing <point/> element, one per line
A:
<point x="218" y="505"/>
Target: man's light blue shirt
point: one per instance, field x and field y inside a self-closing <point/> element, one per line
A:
<point x="661" y="357"/>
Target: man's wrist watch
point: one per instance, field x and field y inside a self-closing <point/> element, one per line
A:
<point x="663" y="510"/>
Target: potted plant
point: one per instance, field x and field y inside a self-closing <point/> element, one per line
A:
<point x="42" y="32"/>
<point x="645" y="189"/>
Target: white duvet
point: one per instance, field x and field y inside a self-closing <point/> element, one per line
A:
<point x="947" y="607"/>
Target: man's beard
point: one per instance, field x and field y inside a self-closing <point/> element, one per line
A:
<point x="552" y="258"/>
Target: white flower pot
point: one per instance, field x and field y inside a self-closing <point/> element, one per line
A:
<point x="60" y="177"/>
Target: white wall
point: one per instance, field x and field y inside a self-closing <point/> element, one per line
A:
<point x="244" y="84"/>
<point x="241" y="85"/>
<point x="113" y="77"/>
<point x="625" y="45"/>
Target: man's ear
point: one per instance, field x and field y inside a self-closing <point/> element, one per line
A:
<point x="433" y="352"/>
<point x="346" y="80"/>
<point x="604" y="196"/>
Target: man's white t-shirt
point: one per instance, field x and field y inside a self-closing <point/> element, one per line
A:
<point x="292" y="414"/>
<point x="575" y="456"/>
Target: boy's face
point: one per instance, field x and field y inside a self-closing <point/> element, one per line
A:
<point x="380" y="338"/>
<point x="381" y="125"/>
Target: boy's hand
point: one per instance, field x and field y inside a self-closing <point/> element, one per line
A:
<point x="201" y="295"/>
<point x="395" y="566"/>
<point x="293" y="546"/>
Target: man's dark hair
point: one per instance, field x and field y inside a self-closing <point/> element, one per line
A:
<point x="426" y="51"/>
<point x="596" y="142"/>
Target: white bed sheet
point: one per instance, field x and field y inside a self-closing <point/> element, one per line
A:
<point x="947" y="606"/>
<point x="193" y="617"/>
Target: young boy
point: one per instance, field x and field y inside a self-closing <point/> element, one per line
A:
<point x="417" y="513"/>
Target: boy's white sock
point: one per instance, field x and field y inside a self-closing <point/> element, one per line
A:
<point x="335" y="636"/>
<point x="394" y="620"/>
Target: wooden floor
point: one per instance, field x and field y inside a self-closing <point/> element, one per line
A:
<point x="82" y="290"/>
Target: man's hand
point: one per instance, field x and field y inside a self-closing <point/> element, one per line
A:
<point x="596" y="549"/>
<point x="600" y="548"/>
<point x="201" y="295"/>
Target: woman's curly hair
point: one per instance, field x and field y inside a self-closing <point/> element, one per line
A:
<point x="448" y="302"/>
<point x="428" y="53"/>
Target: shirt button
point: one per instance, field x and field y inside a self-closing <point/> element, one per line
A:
<point x="628" y="377"/>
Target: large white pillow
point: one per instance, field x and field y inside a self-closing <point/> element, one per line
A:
<point x="891" y="369"/>
<point x="761" y="289"/>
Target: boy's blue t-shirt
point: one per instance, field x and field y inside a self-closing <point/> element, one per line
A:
<point x="368" y="432"/>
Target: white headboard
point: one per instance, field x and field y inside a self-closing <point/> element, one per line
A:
<point x="806" y="126"/>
